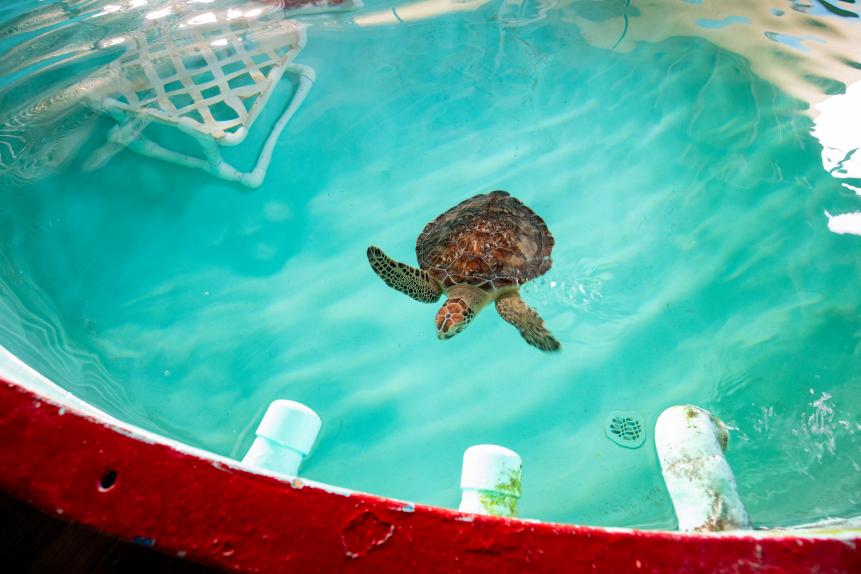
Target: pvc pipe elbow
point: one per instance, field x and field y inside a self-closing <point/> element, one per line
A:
<point x="285" y="438"/>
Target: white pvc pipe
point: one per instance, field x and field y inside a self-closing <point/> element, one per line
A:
<point x="285" y="438"/>
<point x="490" y="480"/>
<point x="691" y="442"/>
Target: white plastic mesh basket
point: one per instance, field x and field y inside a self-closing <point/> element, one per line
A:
<point x="209" y="75"/>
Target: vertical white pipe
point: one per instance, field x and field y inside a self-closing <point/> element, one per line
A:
<point x="490" y="480"/>
<point x="285" y="438"/>
<point x="691" y="442"/>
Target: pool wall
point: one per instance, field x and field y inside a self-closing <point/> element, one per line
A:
<point x="73" y="461"/>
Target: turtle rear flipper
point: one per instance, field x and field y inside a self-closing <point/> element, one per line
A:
<point x="416" y="283"/>
<point x="530" y="324"/>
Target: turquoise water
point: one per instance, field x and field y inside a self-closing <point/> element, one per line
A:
<point x="672" y="160"/>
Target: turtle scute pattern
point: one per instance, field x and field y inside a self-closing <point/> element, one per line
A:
<point x="490" y="241"/>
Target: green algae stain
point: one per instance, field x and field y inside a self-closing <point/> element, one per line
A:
<point x="496" y="504"/>
<point x="502" y="501"/>
<point x="511" y="485"/>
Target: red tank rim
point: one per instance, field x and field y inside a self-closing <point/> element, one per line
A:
<point x="138" y="487"/>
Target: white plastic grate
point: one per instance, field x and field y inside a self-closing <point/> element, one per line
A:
<point x="212" y="79"/>
<point x="626" y="429"/>
<point x="209" y="76"/>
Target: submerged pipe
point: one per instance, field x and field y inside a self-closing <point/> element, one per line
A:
<point x="490" y="480"/>
<point x="285" y="438"/>
<point x="691" y="442"/>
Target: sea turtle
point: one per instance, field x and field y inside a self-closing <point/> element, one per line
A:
<point x="479" y="251"/>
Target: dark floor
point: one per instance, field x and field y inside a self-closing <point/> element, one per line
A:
<point x="31" y="541"/>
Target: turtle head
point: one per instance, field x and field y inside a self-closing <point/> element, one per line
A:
<point x="453" y="317"/>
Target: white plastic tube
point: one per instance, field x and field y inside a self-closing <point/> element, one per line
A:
<point x="490" y="480"/>
<point x="691" y="444"/>
<point x="285" y="438"/>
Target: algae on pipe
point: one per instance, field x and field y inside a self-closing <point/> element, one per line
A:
<point x="691" y="442"/>
<point x="490" y="480"/>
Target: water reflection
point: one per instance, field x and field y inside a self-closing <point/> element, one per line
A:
<point x="43" y="16"/>
<point x="42" y="133"/>
<point x="845" y="222"/>
<point x="421" y="10"/>
<point x="811" y="51"/>
<point x="838" y="129"/>
<point x="789" y="48"/>
<point x="63" y="42"/>
<point x="808" y="49"/>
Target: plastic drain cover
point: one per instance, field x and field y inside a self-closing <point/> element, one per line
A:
<point x="626" y="429"/>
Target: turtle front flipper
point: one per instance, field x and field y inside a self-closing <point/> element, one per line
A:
<point x="416" y="283"/>
<point x="530" y="324"/>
